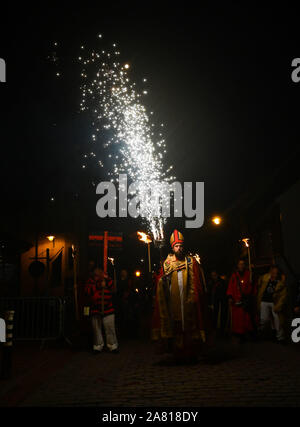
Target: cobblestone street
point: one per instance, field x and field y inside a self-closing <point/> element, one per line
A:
<point x="261" y="374"/>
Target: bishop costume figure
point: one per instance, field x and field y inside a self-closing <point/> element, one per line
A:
<point x="180" y="318"/>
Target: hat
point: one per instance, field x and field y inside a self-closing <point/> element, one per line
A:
<point x="176" y="237"/>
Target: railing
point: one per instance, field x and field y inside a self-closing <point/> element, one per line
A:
<point x="38" y="318"/>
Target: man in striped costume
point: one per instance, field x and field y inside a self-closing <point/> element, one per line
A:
<point x="180" y="317"/>
<point x="99" y="289"/>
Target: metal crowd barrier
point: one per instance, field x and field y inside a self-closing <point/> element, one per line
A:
<point x="37" y="318"/>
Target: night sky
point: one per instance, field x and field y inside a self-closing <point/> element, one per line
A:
<point x="219" y="79"/>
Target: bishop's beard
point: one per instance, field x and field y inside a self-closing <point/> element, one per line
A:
<point x="179" y="255"/>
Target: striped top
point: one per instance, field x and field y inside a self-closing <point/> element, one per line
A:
<point x="101" y="298"/>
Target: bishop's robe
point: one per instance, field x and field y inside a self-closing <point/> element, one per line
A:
<point x="180" y="317"/>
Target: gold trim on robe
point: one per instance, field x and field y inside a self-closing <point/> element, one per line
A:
<point x="168" y="302"/>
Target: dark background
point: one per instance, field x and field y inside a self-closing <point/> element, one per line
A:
<point x="219" y="78"/>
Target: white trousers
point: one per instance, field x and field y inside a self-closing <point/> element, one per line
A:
<point x="109" y="329"/>
<point x="267" y="315"/>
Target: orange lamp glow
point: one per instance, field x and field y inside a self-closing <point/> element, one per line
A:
<point x="216" y="220"/>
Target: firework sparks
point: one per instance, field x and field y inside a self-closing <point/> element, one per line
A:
<point x="119" y="116"/>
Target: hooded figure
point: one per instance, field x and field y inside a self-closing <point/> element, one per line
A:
<point x="180" y="316"/>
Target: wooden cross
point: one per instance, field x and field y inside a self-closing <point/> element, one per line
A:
<point x="106" y="237"/>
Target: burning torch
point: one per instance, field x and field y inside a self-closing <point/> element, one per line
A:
<point x="143" y="237"/>
<point x="246" y="242"/>
<point x="112" y="261"/>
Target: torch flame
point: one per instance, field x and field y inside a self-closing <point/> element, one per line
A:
<point x="112" y="260"/>
<point x="143" y="237"/>
<point x="197" y="258"/>
<point x="246" y="241"/>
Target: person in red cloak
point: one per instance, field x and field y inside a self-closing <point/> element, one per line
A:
<point x="240" y="294"/>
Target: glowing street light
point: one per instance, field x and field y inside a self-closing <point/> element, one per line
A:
<point x="138" y="273"/>
<point x="217" y="220"/>
<point x="51" y="239"/>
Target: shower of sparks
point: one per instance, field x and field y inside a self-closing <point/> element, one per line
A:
<point x="120" y="118"/>
<point x="53" y="58"/>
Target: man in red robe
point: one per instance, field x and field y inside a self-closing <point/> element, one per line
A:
<point x="180" y="314"/>
<point x="240" y="293"/>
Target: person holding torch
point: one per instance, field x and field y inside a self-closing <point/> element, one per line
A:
<point x="240" y="295"/>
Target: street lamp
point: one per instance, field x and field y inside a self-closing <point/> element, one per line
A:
<point x="143" y="237"/>
<point x="217" y="220"/>
<point x="51" y="239"/>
